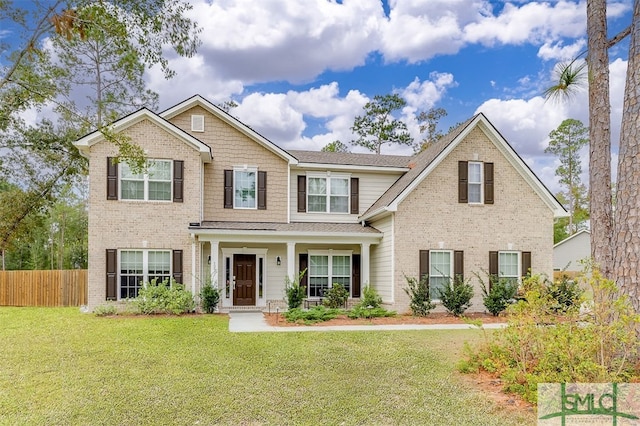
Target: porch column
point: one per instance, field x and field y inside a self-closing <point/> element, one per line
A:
<point x="213" y="267"/>
<point x="291" y="261"/>
<point x="193" y="265"/>
<point x="364" y="265"/>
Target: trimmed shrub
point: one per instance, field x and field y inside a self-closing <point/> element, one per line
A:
<point x="456" y="296"/>
<point x="360" y="311"/>
<point x="160" y="298"/>
<point x="311" y="316"/>
<point x="105" y="310"/>
<point x="294" y="292"/>
<point x="497" y="294"/>
<point x="209" y="298"/>
<point x="418" y="292"/>
<point x="336" y="297"/>
<point x="370" y="297"/>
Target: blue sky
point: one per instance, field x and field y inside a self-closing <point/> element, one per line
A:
<point x="302" y="70"/>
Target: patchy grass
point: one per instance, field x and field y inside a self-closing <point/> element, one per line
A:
<point x="58" y="366"/>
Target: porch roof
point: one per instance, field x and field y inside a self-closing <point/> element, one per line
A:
<point x="286" y="232"/>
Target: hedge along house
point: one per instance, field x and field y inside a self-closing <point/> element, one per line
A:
<point x="222" y="204"/>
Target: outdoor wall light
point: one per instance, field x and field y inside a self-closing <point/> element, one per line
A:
<point x="209" y="260"/>
<point x="278" y="261"/>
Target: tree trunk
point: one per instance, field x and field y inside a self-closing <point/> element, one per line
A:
<point x="599" y="136"/>
<point x="626" y="237"/>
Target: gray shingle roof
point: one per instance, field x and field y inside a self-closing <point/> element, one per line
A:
<point x="351" y="159"/>
<point x="312" y="227"/>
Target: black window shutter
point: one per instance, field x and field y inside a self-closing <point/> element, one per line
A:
<point x="355" y="275"/>
<point x="303" y="261"/>
<point x="424" y="264"/>
<point x="112" y="274"/>
<point x="178" y="181"/>
<point x="488" y="183"/>
<point x="262" y="190"/>
<point x="526" y="263"/>
<point x="355" y="196"/>
<point x="493" y="263"/>
<point x="112" y="179"/>
<point x="302" y="193"/>
<point x="458" y="264"/>
<point x="177" y="265"/>
<point x="463" y="182"/>
<point x="228" y="189"/>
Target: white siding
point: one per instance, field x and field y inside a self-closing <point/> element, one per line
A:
<point x="371" y="187"/>
<point x="382" y="260"/>
<point x="568" y="253"/>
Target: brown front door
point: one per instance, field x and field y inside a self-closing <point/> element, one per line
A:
<point x="244" y="269"/>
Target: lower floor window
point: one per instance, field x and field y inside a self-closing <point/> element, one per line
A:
<point x="141" y="266"/>
<point x="326" y="270"/>
<point x="440" y="272"/>
<point x="509" y="266"/>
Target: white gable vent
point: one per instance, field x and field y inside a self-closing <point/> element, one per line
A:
<point x="197" y="123"/>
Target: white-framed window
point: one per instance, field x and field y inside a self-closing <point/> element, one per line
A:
<point x="327" y="268"/>
<point x="328" y="194"/>
<point x="197" y="123"/>
<point x="153" y="185"/>
<point x="244" y="188"/>
<point x="440" y="271"/>
<point x="138" y="267"/>
<point x="509" y="266"/>
<point x="475" y="183"/>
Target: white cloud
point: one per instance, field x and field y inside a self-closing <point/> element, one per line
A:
<point x="557" y="51"/>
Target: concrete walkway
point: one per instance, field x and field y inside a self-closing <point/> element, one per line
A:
<point x="253" y="322"/>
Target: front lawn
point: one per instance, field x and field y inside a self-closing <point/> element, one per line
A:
<point x="58" y="366"/>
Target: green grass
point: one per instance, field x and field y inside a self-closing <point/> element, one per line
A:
<point x="58" y="366"/>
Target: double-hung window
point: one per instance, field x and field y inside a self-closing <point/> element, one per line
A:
<point x="244" y="188"/>
<point x="509" y="266"/>
<point x="152" y="185"/>
<point x="141" y="266"/>
<point x="475" y="182"/>
<point x="328" y="194"/>
<point x="440" y="271"/>
<point x="326" y="269"/>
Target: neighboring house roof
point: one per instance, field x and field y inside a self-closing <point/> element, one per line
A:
<point x="332" y="231"/>
<point x="198" y="100"/>
<point x="348" y="160"/>
<point x="84" y="143"/>
<point x="571" y="237"/>
<point x="426" y="161"/>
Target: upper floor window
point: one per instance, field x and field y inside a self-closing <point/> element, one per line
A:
<point x="328" y="194"/>
<point x="197" y="123"/>
<point x="244" y="189"/>
<point x="475" y="182"/>
<point x="152" y="185"/>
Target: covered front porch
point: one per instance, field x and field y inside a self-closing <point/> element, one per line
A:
<point x="251" y="262"/>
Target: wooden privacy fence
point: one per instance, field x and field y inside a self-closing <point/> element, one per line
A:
<point x="43" y="288"/>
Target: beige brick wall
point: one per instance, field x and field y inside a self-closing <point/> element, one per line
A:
<point x="231" y="148"/>
<point x="431" y="214"/>
<point x="129" y="224"/>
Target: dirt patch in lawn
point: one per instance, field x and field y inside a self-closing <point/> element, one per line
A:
<point x="492" y="387"/>
<point x="274" y="319"/>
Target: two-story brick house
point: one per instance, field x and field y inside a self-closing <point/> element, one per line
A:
<point x="222" y="203"/>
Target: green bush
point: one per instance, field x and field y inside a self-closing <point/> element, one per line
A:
<point x="335" y="297"/>
<point x="105" y="310"/>
<point x="541" y="346"/>
<point x="294" y="292"/>
<point x="360" y="311"/>
<point x="370" y="297"/>
<point x="312" y="316"/>
<point x="209" y="298"/>
<point x="160" y="298"/>
<point x="566" y="293"/>
<point x="418" y="292"/>
<point x="497" y="294"/>
<point x="456" y="296"/>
